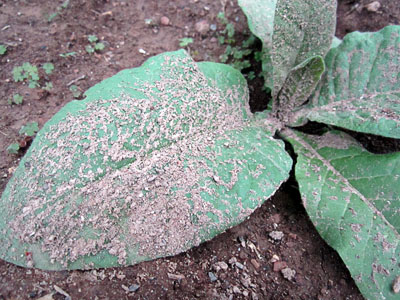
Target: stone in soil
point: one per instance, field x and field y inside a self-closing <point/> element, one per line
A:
<point x="202" y="27"/>
<point x="288" y="273"/>
<point x="276" y="235"/>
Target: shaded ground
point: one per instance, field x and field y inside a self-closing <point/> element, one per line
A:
<point x="246" y="249"/>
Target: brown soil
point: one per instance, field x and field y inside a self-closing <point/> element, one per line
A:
<point x="24" y="28"/>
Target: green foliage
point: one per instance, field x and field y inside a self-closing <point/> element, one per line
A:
<point x="13" y="148"/>
<point x="68" y="54"/>
<point x="48" y="68"/>
<point x="26" y="72"/>
<point x="138" y="129"/>
<point x="60" y="8"/>
<point x="95" y="45"/>
<point x="184" y="42"/>
<point x="16" y="99"/>
<point x="92" y="38"/>
<point x="75" y="91"/>
<point x="352" y="196"/>
<point x="29" y="129"/>
<point x="3" y="49"/>
<point x="48" y="86"/>
<point x="197" y="118"/>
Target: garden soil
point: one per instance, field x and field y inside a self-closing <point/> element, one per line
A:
<point x="254" y="260"/>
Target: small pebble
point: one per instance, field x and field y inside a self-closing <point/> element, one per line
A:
<point x="164" y="21"/>
<point x="202" y="27"/>
<point x="279" y="265"/>
<point x="213" y="27"/>
<point x="239" y="265"/>
<point x="274" y="258"/>
<point x="276" y="235"/>
<point x="373" y="6"/>
<point x="255" y="263"/>
<point x="288" y="273"/>
<point x="133" y="288"/>
<point x="212" y="276"/>
<point x="220" y="266"/>
<point x="236" y="290"/>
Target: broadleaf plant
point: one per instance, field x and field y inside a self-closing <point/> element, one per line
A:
<point x="159" y="158"/>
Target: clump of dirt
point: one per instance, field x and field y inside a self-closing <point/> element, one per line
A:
<point x="244" y="262"/>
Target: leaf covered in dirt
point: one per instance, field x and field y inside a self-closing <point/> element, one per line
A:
<point x="155" y="160"/>
<point x="353" y="198"/>
<point x="302" y="29"/>
<point x="361" y="88"/>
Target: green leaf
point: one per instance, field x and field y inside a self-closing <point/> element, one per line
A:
<point x="13" y="148"/>
<point x="183" y="42"/>
<point x="353" y="198"/>
<point x="18" y="99"/>
<point x="68" y="54"/>
<point x="89" y="49"/>
<point x="48" y="68"/>
<point x="92" y="38"/>
<point x="155" y="160"/>
<point x="299" y="85"/>
<point x="18" y="74"/>
<point x="99" y="46"/>
<point x="48" y="86"/>
<point x="302" y="29"/>
<point x="3" y="49"/>
<point x="361" y="88"/>
<point x="29" y="129"/>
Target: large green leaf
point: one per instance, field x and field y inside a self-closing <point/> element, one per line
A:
<point x="302" y="29"/>
<point x="260" y="16"/>
<point x="154" y="161"/>
<point x="353" y="198"/>
<point x="361" y="88"/>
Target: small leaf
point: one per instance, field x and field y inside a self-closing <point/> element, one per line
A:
<point x="299" y="85"/>
<point x="48" y="68"/>
<point x="3" y="49"/>
<point x="48" y="86"/>
<point x="92" y="38"/>
<point x="154" y="161"/>
<point x="18" y="99"/>
<point x="13" y="148"/>
<point x="99" y="46"/>
<point x="89" y="49"/>
<point x="29" y="129"/>
<point x="353" y="198"/>
<point x="361" y="88"/>
<point x="18" y="74"/>
<point x="184" y="42"/>
<point x="68" y="54"/>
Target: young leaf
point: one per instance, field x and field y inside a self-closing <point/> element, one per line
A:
<point x="18" y="99"/>
<point x="184" y="42"/>
<point x="302" y="29"/>
<point x="92" y="38"/>
<point x="29" y="129"/>
<point x="3" y="49"/>
<point x="99" y="46"/>
<point x="154" y="161"/>
<point x="353" y="198"/>
<point x="48" y="68"/>
<point x="299" y="85"/>
<point x="13" y="148"/>
<point x="361" y="88"/>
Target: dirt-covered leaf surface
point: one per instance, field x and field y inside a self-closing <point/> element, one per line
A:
<point x="302" y="29"/>
<point x="353" y="198"/>
<point x="361" y="88"/>
<point x="155" y="160"/>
